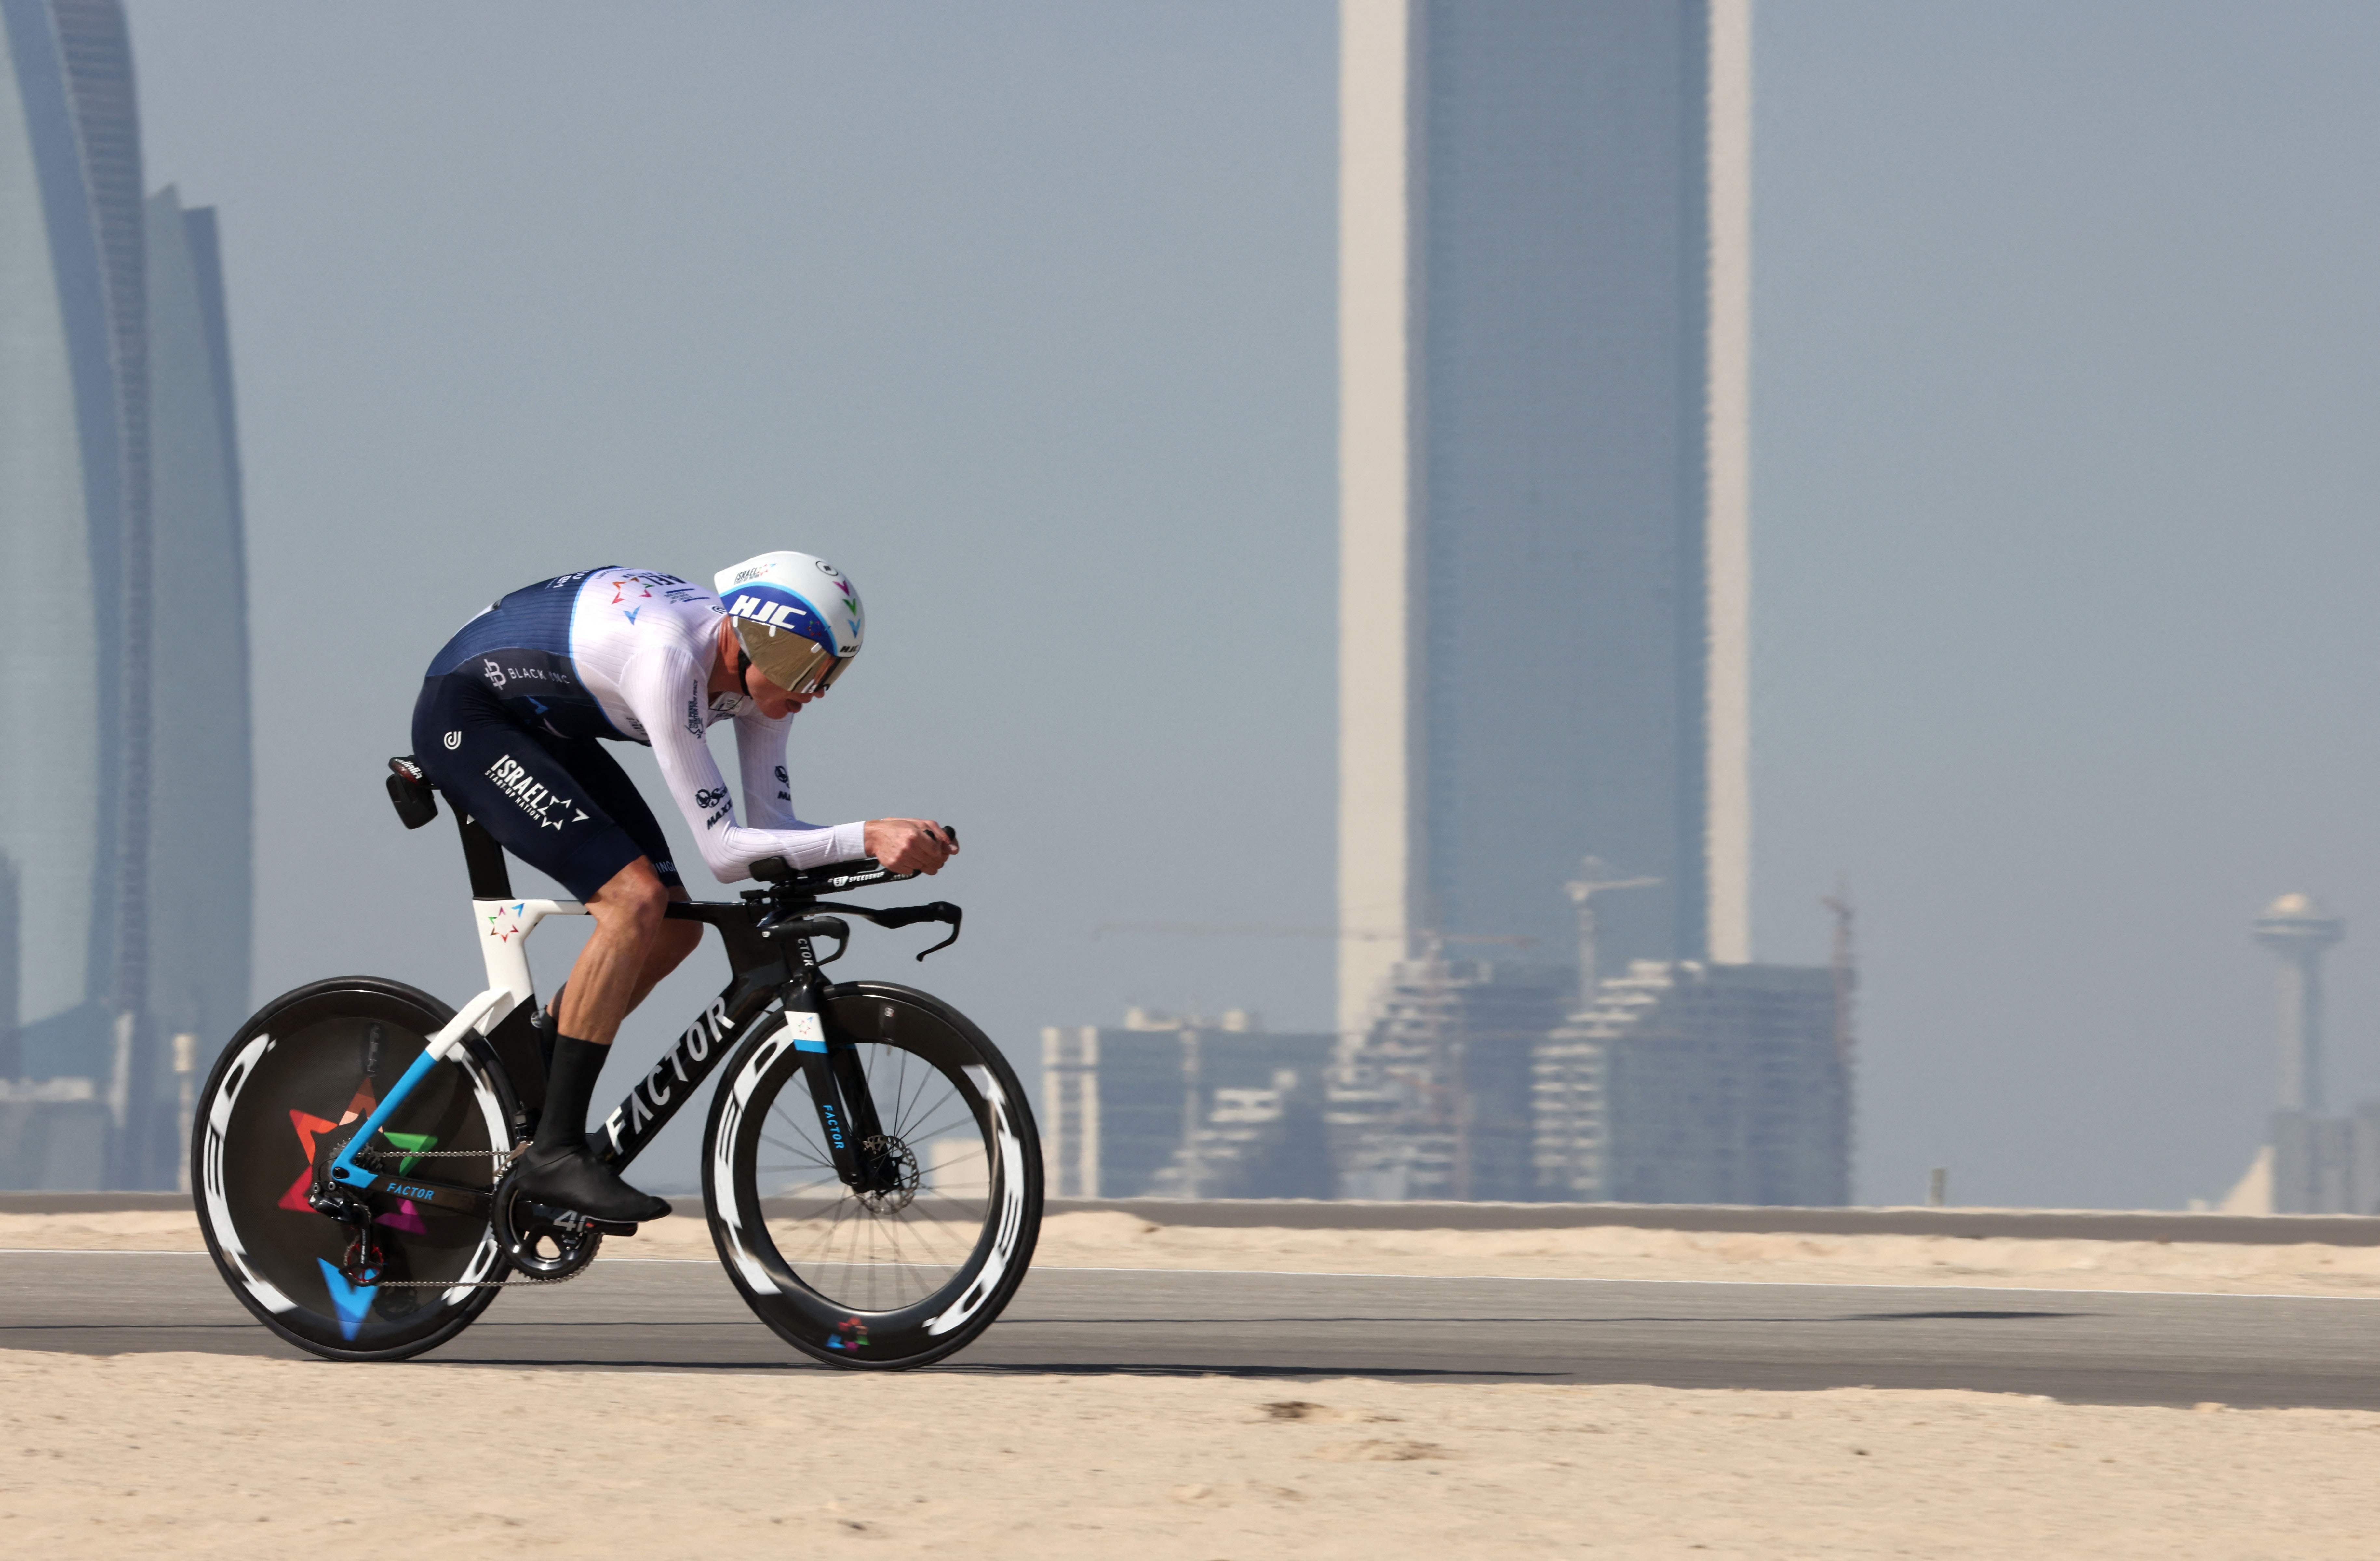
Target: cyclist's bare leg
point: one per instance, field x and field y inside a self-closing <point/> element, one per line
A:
<point x="625" y="955"/>
<point x="610" y="976"/>
<point x="668" y="949"/>
<point x="671" y="944"/>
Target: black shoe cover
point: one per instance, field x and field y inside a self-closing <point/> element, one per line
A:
<point x="570" y="1177"/>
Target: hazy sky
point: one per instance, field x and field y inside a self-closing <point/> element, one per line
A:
<point x="2065" y="380"/>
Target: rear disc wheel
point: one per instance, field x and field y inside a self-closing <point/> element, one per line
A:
<point x="310" y="1063"/>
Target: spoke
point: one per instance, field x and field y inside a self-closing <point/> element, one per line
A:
<point x="981" y="1205"/>
<point x="926" y="1251"/>
<point x="798" y="1126"/>
<point x="926" y="1080"/>
<point x="801" y="1191"/>
<point x="803" y="1150"/>
<point x="927" y="1135"/>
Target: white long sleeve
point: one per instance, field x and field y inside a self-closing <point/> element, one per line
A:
<point x="665" y="688"/>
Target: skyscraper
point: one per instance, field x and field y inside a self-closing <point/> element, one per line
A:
<point x="1544" y="253"/>
<point x="112" y="340"/>
<point x="201" y="847"/>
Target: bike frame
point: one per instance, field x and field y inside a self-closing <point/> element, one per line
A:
<point x="769" y="963"/>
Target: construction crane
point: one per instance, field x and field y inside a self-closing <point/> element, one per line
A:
<point x="1845" y="971"/>
<point x="1595" y="877"/>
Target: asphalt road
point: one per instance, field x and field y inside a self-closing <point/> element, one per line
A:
<point x="2084" y="1346"/>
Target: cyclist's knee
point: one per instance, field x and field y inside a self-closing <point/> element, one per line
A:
<point x="635" y="896"/>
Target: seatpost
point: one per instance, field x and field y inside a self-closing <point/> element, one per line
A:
<point x="490" y="879"/>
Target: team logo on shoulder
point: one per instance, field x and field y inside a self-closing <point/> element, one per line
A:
<point x="454" y="741"/>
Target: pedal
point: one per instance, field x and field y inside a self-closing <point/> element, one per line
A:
<point x="612" y="1227"/>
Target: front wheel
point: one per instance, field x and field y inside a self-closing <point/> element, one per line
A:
<point x="908" y="1272"/>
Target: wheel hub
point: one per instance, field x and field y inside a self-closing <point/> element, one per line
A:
<point x="893" y="1174"/>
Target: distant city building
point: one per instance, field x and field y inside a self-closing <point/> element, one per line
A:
<point x="1433" y="1100"/>
<point x="200" y="810"/>
<point x="1544" y="329"/>
<point x="1183" y="1108"/>
<point x="2312" y="1163"/>
<point x="1694" y="1084"/>
<point x="2300" y="932"/>
<point x="128" y="897"/>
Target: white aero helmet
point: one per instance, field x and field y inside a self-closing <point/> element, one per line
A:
<point x="797" y="617"/>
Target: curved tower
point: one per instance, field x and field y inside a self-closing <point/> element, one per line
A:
<point x="120" y="925"/>
<point x="73" y="516"/>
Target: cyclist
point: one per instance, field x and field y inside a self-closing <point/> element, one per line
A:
<point x="510" y="723"/>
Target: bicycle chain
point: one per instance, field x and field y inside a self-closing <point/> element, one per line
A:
<point x="473" y="1283"/>
<point x="503" y="1158"/>
<point x="507" y="1156"/>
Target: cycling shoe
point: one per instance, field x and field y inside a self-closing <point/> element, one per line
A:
<point x="570" y="1177"/>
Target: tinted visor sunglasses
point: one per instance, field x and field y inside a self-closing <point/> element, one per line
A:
<point x="795" y="663"/>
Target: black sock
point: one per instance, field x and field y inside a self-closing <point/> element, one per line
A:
<point x="569" y="1089"/>
<point x="547" y="1023"/>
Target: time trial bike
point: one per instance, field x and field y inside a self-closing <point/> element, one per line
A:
<point x="870" y="1168"/>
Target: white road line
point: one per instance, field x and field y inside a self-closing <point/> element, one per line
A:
<point x="1473" y="1278"/>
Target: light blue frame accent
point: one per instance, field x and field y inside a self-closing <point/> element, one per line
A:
<point x="343" y="1169"/>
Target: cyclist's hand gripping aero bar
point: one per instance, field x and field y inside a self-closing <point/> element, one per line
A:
<point x="863" y="873"/>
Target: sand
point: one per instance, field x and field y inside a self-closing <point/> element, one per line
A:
<point x="195" y="1454"/>
<point x="198" y="1454"/>
<point x="1120" y="1241"/>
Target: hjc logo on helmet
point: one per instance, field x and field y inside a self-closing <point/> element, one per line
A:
<point x="779" y="609"/>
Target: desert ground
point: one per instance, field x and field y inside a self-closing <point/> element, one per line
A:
<point x="1123" y="1241"/>
<point x="193" y="1455"/>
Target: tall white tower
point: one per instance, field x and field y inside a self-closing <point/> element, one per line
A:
<point x="1545" y="240"/>
<point x="2297" y="929"/>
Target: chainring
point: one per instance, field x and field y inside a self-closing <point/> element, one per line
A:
<point x="539" y="1240"/>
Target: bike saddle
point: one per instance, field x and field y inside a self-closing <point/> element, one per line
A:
<point x="410" y="793"/>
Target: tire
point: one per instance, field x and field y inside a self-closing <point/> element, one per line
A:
<point x="876" y="1283"/>
<point x="289" y="1080"/>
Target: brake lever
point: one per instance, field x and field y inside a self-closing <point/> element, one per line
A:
<point x="949" y="914"/>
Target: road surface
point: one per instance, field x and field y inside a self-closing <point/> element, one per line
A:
<point x="2096" y="1346"/>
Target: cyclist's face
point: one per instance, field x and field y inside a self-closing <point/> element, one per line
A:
<point x="774" y="702"/>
